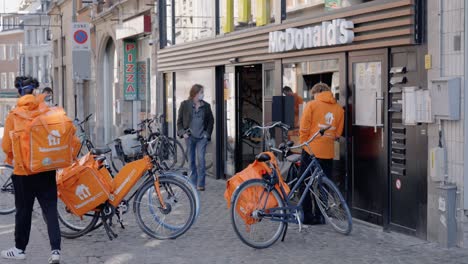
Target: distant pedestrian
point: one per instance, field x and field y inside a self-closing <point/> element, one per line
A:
<point x="298" y="100"/>
<point x="49" y="96"/>
<point x="28" y="186"/>
<point x="195" y="124"/>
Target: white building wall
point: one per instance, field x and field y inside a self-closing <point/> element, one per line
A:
<point x="448" y="61"/>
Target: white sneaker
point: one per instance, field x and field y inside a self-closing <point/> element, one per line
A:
<point x="54" y="257"/>
<point x="13" y="253"/>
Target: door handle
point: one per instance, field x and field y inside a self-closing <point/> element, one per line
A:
<point x="377" y="112"/>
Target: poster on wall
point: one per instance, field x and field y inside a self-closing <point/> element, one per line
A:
<point x="332" y="4"/>
<point x="368" y="90"/>
<point x="130" y="69"/>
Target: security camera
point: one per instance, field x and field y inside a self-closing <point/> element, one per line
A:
<point x="151" y="42"/>
<point x="233" y="60"/>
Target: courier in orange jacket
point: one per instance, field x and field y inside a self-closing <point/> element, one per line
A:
<point x="320" y="113"/>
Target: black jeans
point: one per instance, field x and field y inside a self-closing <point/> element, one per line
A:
<point x="43" y="187"/>
<point x="327" y="167"/>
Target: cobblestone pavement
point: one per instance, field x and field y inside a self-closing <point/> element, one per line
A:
<point x="212" y="240"/>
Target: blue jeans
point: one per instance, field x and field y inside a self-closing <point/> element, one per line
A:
<point x="196" y="148"/>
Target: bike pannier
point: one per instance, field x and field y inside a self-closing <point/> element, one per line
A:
<point x="130" y="144"/>
<point x="82" y="187"/>
<point x="250" y="198"/>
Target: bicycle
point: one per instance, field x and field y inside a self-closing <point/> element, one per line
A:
<point x="167" y="149"/>
<point x="269" y="142"/>
<point x="156" y="189"/>
<point x="268" y="191"/>
<point x="7" y="192"/>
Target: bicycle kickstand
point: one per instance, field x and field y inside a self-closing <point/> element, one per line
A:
<point x="284" y="233"/>
<point x="120" y="220"/>
<point x="110" y="233"/>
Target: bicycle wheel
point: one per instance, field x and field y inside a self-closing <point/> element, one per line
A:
<point x="172" y="221"/>
<point x="332" y="205"/>
<point x="7" y="192"/>
<point x="72" y="226"/>
<point x="249" y="202"/>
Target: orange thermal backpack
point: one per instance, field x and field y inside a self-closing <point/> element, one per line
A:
<point x="83" y="186"/>
<point x="43" y="139"/>
<point x="250" y="198"/>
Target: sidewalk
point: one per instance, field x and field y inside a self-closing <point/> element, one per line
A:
<point x="212" y="240"/>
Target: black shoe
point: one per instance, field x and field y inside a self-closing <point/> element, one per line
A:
<point x="318" y="220"/>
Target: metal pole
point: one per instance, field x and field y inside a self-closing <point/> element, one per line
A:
<point x="63" y="72"/>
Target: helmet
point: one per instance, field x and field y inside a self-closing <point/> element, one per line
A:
<point x="26" y="84"/>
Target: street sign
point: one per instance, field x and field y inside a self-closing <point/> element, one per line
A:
<point x="80" y="35"/>
<point x="130" y="68"/>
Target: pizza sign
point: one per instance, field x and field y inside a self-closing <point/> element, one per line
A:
<point x="130" y="70"/>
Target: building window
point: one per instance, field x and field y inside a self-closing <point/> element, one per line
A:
<point x="28" y="37"/>
<point x="46" y="69"/>
<point x="20" y="50"/>
<point x="193" y="20"/>
<point x="296" y="8"/>
<point x="56" y="48"/>
<point x="11" y="52"/>
<point x="38" y="69"/>
<point x="241" y="14"/>
<point x="30" y="66"/>
<point x="64" y="42"/>
<point x="3" y="81"/>
<point x="44" y="36"/>
<point x="2" y="52"/>
<point x="38" y="37"/>
<point x="11" y="81"/>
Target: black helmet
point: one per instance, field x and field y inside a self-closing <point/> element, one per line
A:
<point x="26" y="84"/>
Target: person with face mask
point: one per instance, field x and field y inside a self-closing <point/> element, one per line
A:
<point x="195" y="124"/>
<point x="49" y="95"/>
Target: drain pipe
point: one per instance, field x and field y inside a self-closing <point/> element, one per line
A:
<point x="465" y="117"/>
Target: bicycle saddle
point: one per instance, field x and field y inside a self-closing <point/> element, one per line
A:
<point x="294" y="158"/>
<point x="100" y="151"/>
<point x="262" y="157"/>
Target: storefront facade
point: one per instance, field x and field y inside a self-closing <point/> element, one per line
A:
<point x="122" y="93"/>
<point x="366" y="52"/>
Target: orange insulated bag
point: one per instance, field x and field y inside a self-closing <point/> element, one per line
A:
<point x="43" y="140"/>
<point x="250" y="198"/>
<point x="127" y="177"/>
<point x="82" y="187"/>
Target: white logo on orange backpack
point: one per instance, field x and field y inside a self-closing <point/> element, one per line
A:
<point x="82" y="191"/>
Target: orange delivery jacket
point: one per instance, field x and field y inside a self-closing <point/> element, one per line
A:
<point x="320" y="113"/>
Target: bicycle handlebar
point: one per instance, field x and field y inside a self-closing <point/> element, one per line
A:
<point x="321" y="132"/>
<point x="276" y="124"/>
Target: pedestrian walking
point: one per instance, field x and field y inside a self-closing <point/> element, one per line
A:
<point x="322" y="112"/>
<point x="28" y="186"/>
<point x="195" y="124"/>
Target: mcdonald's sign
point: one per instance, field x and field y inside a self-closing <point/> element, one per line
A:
<point x="244" y="10"/>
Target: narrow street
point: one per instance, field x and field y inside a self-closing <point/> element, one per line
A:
<point x="212" y="240"/>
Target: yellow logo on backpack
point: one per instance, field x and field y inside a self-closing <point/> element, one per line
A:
<point x="43" y="139"/>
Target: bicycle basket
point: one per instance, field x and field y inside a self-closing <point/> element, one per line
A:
<point x="131" y="146"/>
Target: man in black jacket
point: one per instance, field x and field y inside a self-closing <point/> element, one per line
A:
<point x="195" y="123"/>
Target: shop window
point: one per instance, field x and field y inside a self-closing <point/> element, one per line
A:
<point x="189" y="20"/>
<point x="241" y="14"/>
<point x="183" y="83"/>
<point x="296" y="8"/>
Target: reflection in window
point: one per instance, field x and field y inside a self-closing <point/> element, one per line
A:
<point x="302" y="76"/>
<point x="189" y="20"/>
<point x="296" y="8"/>
<point x="241" y="14"/>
